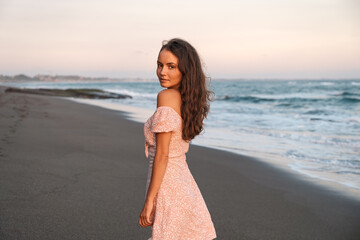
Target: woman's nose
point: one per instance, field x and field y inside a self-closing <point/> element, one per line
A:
<point x="162" y="71"/>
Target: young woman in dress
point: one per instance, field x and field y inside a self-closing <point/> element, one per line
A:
<point x="174" y="206"/>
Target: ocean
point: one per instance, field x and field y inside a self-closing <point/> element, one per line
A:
<point x="307" y="127"/>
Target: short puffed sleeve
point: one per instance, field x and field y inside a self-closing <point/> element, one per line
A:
<point x="165" y="119"/>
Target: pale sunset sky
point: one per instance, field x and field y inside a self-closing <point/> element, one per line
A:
<point x="235" y="38"/>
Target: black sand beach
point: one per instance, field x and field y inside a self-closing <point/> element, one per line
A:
<point x="74" y="171"/>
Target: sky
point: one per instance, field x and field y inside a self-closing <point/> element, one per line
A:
<point x="267" y="39"/>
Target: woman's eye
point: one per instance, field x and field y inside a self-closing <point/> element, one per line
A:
<point x="171" y="67"/>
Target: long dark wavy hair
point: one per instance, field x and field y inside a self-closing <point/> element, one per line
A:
<point x="195" y="96"/>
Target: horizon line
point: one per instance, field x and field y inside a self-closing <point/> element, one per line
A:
<point x="155" y="79"/>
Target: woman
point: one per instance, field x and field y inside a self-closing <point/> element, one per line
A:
<point x="174" y="206"/>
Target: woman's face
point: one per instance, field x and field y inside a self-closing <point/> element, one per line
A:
<point x="168" y="70"/>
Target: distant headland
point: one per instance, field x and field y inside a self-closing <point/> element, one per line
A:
<point x="63" y="78"/>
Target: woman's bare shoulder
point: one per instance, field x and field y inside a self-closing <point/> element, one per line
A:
<point x="169" y="98"/>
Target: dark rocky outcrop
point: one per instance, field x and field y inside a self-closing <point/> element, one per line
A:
<point x="70" y="92"/>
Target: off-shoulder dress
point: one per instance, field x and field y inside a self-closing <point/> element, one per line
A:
<point x="180" y="210"/>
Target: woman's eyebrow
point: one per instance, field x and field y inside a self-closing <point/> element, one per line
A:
<point x="167" y="63"/>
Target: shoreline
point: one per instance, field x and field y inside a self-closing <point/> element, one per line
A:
<point x="76" y="170"/>
<point x="140" y="115"/>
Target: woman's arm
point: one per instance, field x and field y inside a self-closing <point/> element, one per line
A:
<point x="165" y="98"/>
<point x="158" y="172"/>
<point x="160" y="163"/>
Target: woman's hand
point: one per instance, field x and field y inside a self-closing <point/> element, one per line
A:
<point x="146" y="217"/>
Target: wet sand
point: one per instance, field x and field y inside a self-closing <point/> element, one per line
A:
<point x="75" y="171"/>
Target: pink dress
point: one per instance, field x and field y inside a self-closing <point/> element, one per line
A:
<point x="180" y="210"/>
